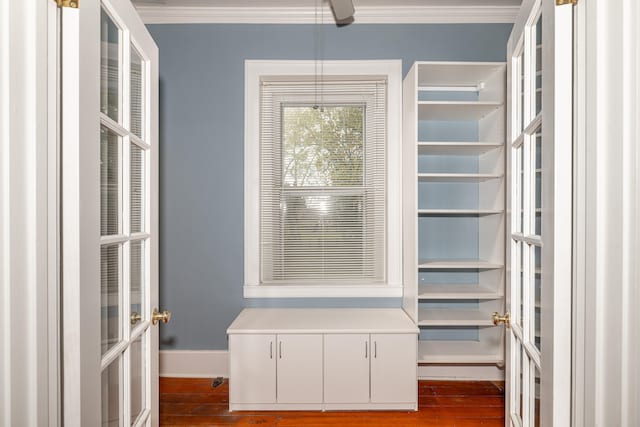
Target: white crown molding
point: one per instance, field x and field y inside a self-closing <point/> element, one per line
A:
<point x="306" y="15"/>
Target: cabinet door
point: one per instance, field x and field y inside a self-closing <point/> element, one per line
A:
<point x="394" y="377"/>
<point x="252" y="370"/>
<point x="299" y="368"/>
<point x="346" y="368"/>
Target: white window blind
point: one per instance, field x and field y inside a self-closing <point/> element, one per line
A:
<point x="323" y="180"/>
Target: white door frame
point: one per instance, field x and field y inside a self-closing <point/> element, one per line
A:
<point x="80" y="216"/>
<point x="607" y="196"/>
<point x="29" y="322"/>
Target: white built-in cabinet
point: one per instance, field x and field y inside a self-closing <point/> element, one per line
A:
<point x="292" y="361"/>
<point x="454" y="210"/>
<point x="323" y="359"/>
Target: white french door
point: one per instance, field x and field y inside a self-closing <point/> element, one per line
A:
<point x="110" y="221"/>
<point x="538" y="347"/>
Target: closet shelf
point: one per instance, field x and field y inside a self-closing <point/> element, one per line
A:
<point x="458" y="264"/>
<point x="458" y="352"/>
<point x="457" y="292"/>
<point x="457" y="177"/>
<point x="460" y="74"/>
<point x="453" y="317"/>
<point x="456" y="148"/>
<point x="448" y="192"/>
<point x="456" y="110"/>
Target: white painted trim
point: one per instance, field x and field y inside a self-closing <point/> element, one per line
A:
<point x="579" y="216"/>
<point x="608" y="236"/>
<point x="5" y="220"/>
<point x="215" y="363"/>
<point x="54" y="307"/>
<point x="460" y="372"/>
<point x="28" y="372"/>
<point x="306" y="15"/>
<point x="254" y="69"/>
<point x="194" y="363"/>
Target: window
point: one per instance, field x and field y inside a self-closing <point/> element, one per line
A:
<point x="322" y="179"/>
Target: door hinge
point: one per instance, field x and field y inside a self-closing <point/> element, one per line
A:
<point x="561" y="2"/>
<point x="74" y="4"/>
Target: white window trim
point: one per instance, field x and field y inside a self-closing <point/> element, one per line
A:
<point x="254" y="69"/>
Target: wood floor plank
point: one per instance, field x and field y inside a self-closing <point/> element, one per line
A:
<point x="194" y="402"/>
<point x="194" y="398"/>
<point x="236" y="420"/>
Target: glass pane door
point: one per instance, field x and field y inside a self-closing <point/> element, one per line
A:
<point x="125" y="237"/>
<point x="526" y="238"/>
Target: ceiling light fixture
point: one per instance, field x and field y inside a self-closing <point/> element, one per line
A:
<point x="343" y="11"/>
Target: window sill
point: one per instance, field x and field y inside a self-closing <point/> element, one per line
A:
<point x="337" y="291"/>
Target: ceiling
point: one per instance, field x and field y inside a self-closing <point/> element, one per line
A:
<point x="310" y="3"/>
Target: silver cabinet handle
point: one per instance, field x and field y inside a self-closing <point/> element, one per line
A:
<point x="280" y="349"/>
<point x="271" y="350"/>
<point x="366" y="349"/>
<point x="375" y="349"/>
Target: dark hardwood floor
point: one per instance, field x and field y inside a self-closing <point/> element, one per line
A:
<point x="193" y="402"/>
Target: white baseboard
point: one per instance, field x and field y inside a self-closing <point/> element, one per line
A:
<point x="460" y="372"/>
<point x="194" y="363"/>
<point x="215" y="363"/>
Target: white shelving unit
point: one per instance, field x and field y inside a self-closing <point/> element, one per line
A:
<point x="454" y="211"/>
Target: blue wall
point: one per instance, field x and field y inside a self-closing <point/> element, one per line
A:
<point x="201" y="149"/>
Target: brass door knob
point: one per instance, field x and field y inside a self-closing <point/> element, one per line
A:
<point x="135" y="318"/>
<point x="164" y="316"/>
<point x="497" y="319"/>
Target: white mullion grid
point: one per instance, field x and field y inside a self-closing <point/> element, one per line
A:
<point x="532" y="353"/>
<point x="146" y="233"/>
<point x="531" y="356"/>
<point x="518" y="174"/>
<point x="146" y="351"/>
<point x="515" y="420"/>
<point x="515" y="77"/>
<point x="113" y="239"/>
<point x="532" y="393"/>
<point x="139" y="236"/>
<point x="517" y="331"/>
<point x="146" y="95"/>
<point x="113" y="353"/>
<point x="139" y="142"/>
<point x="526" y="249"/>
<point x="139" y="330"/>
<point x="113" y="125"/>
<point x="530" y="239"/>
<point x="517" y="143"/>
<point x="143" y="417"/>
<point x="516" y="298"/>
<point x="126" y="277"/>
<point x="525" y="387"/>
<point x="534" y="124"/>
<point x="516" y="357"/>
<point x="530" y="32"/>
<point x="516" y="243"/>
<point x="145" y="307"/>
<point x="126" y="222"/>
<point x="533" y="241"/>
